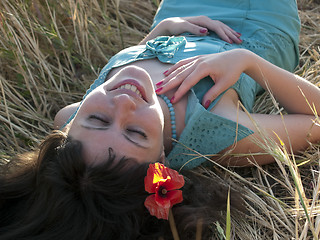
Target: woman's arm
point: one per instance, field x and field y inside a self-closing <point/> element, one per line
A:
<point x="199" y="25"/>
<point x="225" y="69"/>
<point x="292" y="92"/>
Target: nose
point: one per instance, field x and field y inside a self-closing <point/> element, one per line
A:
<point x="124" y="103"/>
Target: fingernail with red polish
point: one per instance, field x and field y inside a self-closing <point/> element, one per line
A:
<point x="166" y="72"/>
<point x="207" y="104"/>
<point x="159" y="89"/>
<point x="239" y="33"/>
<point x="172" y="99"/>
<point x="203" y="30"/>
<point x="159" y="83"/>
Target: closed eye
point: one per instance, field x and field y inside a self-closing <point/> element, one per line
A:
<point x="106" y="121"/>
<point x="138" y="132"/>
<point x="98" y="120"/>
<point x="97" y="117"/>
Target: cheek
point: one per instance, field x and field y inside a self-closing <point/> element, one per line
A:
<point x="156" y="113"/>
<point x="92" y="101"/>
<point x="154" y="121"/>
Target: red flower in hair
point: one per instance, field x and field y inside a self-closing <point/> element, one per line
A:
<point x="163" y="182"/>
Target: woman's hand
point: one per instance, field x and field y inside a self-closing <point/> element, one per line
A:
<point x="292" y="92"/>
<point x="199" y="25"/>
<point x="223" y="68"/>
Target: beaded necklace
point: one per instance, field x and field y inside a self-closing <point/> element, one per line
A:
<point x="172" y="118"/>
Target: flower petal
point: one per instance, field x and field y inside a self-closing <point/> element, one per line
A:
<point x="171" y="198"/>
<point x="175" y="197"/>
<point x="176" y="180"/>
<point x="163" y="182"/>
<point x="163" y="202"/>
<point x="154" y="175"/>
<point x="158" y="174"/>
<point x="155" y="209"/>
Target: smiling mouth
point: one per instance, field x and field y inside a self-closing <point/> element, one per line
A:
<point x="132" y="88"/>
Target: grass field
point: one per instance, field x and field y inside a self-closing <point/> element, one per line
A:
<point x="50" y="51"/>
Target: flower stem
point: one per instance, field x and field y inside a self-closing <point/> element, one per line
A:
<point x="173" y="226"/>
<point x="199" y="229"/>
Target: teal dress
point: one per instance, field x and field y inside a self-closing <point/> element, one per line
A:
<point x="269" y="28"/>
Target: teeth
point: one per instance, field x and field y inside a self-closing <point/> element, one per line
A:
<point x="132" y="88"/>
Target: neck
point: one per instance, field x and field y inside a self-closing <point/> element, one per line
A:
<point x="167" y="142"/>
<point x="180" y="109"/>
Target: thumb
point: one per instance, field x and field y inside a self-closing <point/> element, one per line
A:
<point x="196" y="29"/>
<point x="213" y="93"/>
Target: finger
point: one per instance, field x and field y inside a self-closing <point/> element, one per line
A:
<point x="232" y="31"/>
<point x="214" y="92"/>
<point x="176" y="72"/>
<point x="237" y="34"/>
<point x="226" y="33"/>
<point x="235" y="39"/>
<point x="178" y="65"/>
<point x="168" y="86"/>
<point x="189" y="81"/>
<point x="233" y="36"/>
<point x="219" y="28"/>
<point x="195" y="29"/>
<point x="175" y="79"/>
<point x="222" y="34"/>
<point x="229" y="36"/>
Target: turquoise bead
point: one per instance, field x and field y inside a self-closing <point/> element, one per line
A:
<point x="172" y="118"/>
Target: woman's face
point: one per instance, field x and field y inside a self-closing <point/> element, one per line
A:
<point x="123" y="114"/>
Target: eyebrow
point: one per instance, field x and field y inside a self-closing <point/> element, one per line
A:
<point x="126" y="137"/>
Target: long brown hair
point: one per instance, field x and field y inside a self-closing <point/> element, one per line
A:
<point x="58" y="196"/>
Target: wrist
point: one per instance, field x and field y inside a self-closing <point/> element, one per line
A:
<point x="248" y="59"/>
<point x="158" y="30"/>
<point x="164" y="27"/>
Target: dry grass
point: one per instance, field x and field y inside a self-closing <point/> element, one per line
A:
<point x="50" y="51"/>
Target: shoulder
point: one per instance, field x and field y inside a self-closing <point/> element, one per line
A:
<point x="64" y="114"/>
